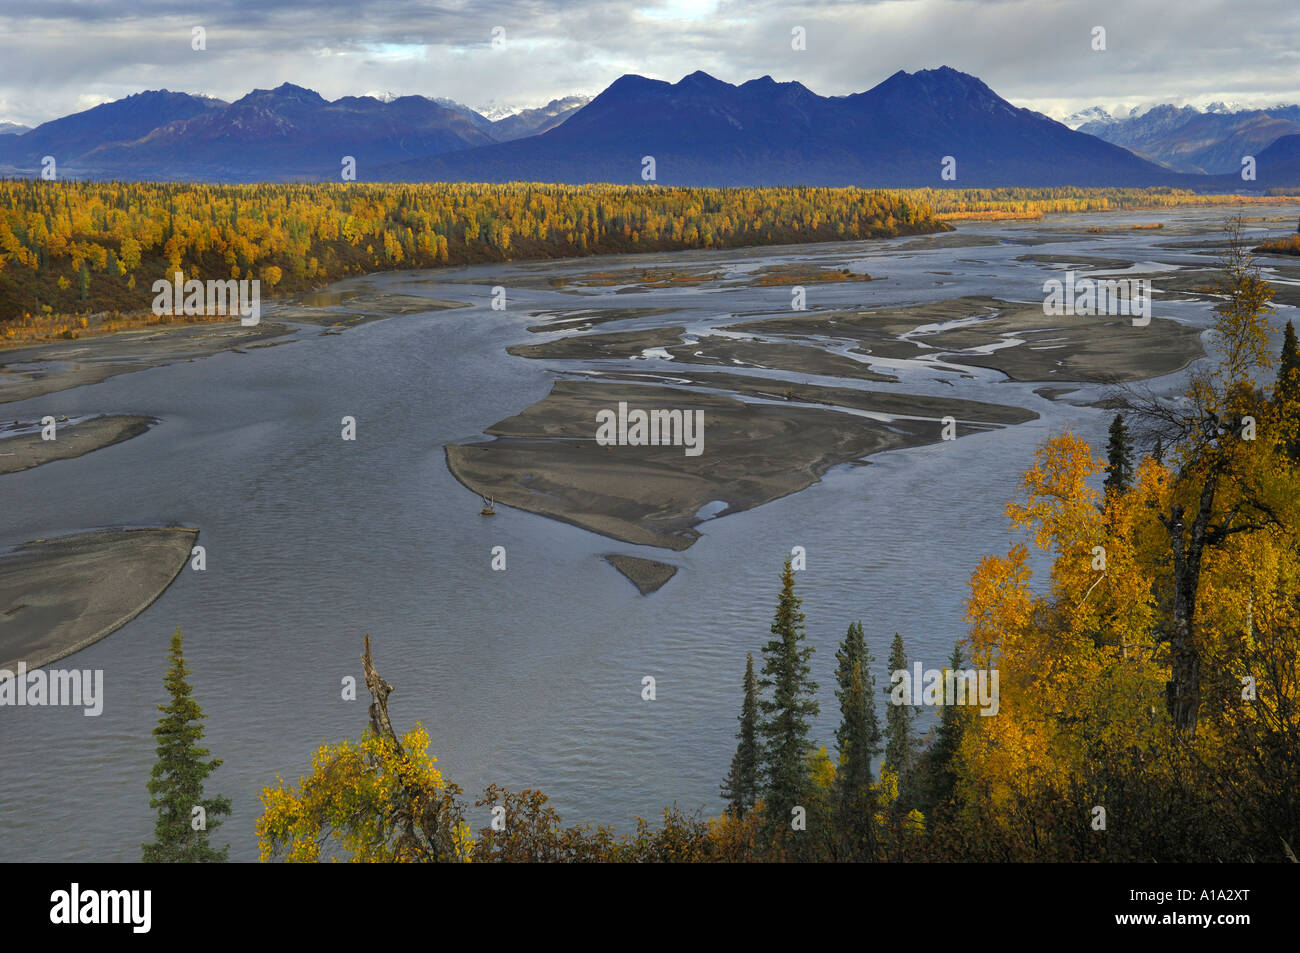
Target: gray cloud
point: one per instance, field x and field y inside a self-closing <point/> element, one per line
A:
<point x="58" y="56"/>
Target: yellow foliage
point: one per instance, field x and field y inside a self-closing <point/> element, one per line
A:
<point x="347" y="804"/>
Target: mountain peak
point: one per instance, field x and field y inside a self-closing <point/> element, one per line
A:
<point x="702" y="80"/>
<point x="285" y="93"/>
<point x="634" y="81"/>
<point x="946" y="75"/>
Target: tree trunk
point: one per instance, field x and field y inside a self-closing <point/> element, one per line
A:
<point x="1183" y="690"/>
<point x="379" y="692"/>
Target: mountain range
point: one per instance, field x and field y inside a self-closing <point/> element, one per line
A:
<point x="702" y="131"/>
<point x="279" y="134"/>
<point x="698" y="131"/>
<point x="1187" y="139"/>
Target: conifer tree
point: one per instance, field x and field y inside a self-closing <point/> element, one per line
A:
<point x="1158" y="451"/>
<point x="939" y="763"/>
<point x="740" y="789"/>
<point x="858" y="740"/>
<point x="1119" y="455"/>
<point x="900" y="745"/>
<point x="858" y="724"/>
<point x="181" y="835"/>
<point x="784" y="726"/>
<point x="1286" y="392"/>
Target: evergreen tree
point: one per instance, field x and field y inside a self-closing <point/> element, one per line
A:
<point x="1286" y="392"/>
<point x="863" y="725"/>
<point x="1158" y="451"/>
<point x="1119" y="456"/>
<point x="855" y="803"/>
<point x="176" y="784"/>
<point x="740" y="789"/>
<point x="858" y="739"/>
<point x="900" y="745"/>
<point x="784" y="726"/>
<point x="938" y="764"/>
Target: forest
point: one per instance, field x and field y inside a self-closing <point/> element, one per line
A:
<point x="81" y="257"/>
<point x="74" y="248"/>
<point x="1149" y="686"/>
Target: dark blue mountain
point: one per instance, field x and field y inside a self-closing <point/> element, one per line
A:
<point x="1278" y="166"/>
<point x="702" y="131"/>
<point x="1188" y="140"/>
<point x="69" y="138"/>
<point x="288" y="133"/>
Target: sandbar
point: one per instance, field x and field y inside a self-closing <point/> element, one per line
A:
<point x="58" y="596"/>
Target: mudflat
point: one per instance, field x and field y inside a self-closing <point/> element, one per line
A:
<point x="648" y="575"/>
<point x="546" y="459"/>
<point x="58" y="596"/>
<point x="710" y="349"/>
<point x="1015" y="338"/>
<point x="1083" y="348"/>
<point x="24" y="451"/>
<point x="40" y="369"/>
<point x="872" y="401"/>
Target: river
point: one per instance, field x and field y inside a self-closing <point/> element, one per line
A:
<point x="529" y="677"/>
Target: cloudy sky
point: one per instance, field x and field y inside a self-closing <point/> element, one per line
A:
<point x="61" y="56"/>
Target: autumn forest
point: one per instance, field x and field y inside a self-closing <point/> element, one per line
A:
<point x="69" y="250"/>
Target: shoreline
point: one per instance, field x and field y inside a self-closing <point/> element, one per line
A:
<point x="546" y="461"/>
<point x="63" y="594"/>
<point x="25" y="451"/>
<point x="42" y="368"/>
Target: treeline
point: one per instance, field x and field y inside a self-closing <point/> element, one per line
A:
<point x="79" y="247"/>
<point x="1035" y="202"/>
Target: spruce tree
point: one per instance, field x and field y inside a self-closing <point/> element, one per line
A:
<point x="1290" y="362"/>
<point x="740" y="789"/>
<point x="176" y="784"/>
<point x="1119" y="456"/>
<point x="858" y="740"/>
<point x="862" y="727"/>
<point x="1158" y="451"/>
<point x="1286" y="392"/>
<point x="784" y="726"/>
<point x="900" y="745"/>
<point x="857" y="736"/>
<point x="939" y="763"/>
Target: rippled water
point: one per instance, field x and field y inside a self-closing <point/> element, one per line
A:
<point x="530" y="677"/>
